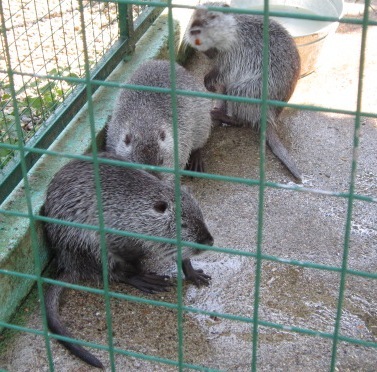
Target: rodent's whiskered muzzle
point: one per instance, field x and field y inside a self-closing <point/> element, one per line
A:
<point x="208" y="240"/>
<point x="196" y="33"/>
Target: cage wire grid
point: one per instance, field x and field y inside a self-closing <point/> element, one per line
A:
<point x="44" y="39"/>
<point x="46" y="45"/>
<point x="25" y="78"/>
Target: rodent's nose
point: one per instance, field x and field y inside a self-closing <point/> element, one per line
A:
<point x="208" y="240"/>
<point x="195" y="32"/>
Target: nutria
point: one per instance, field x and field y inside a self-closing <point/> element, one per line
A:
<point x="132" y="200"/>
<point x="141" y="127"/>
<point x="234" y="43"/>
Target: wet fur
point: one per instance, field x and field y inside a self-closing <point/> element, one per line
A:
<point x="141" y="128"/>
<point x="234" y="42"/>
<point x="132" y="200"/>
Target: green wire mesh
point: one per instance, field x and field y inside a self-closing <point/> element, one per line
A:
<point x="47" y="52"/>
<point x="21" y="104"/>
<point x="44" y="39"/>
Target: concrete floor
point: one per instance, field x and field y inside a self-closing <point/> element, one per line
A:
<point x="297" y="226"/>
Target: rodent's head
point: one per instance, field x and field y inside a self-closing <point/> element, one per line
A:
<point x="211" y="29"/>
<point x="193" y="226"/>
<point x="150" y="146"/>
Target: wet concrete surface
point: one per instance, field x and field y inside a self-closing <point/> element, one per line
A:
<point x="300" y="226"/>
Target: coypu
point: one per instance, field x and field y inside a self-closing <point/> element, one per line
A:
<point x="234" y="43"/>
<point x="141" y="127"/>
<point x="132" y="200"/>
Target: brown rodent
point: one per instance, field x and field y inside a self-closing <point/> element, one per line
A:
<point x="141" y="127"/>
<point x="132" y="200"/>
<point x="234" y="43"/>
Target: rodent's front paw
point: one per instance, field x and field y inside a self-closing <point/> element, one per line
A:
<point x="209" y="85"/>
<point x="199" y="278"/>
<point x="210" y="80"/>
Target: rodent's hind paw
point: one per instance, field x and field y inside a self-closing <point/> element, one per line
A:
<point x="150" y="282"/>
<point x="217" y="113"/>
<point x="195" y="162"/>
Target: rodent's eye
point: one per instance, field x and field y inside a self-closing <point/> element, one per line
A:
<point x="212" y="16"/>
<point x="127" y="139"/>
<point x="162" y="135"/>
<point x="160" y="206"/>
<point x="184" y="225"/>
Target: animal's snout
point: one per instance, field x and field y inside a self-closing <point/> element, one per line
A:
<point x="160" y="160"/>
<point x="197" y="23"/>
<point x="208" y="240"/>
<point x="195" y="32"/>
<point x="148" y="153"/>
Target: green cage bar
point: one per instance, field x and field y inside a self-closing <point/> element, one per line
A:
<point x="68" y="85"/>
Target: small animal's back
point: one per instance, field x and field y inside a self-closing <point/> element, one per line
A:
<point x="72" y="193"/>
<point x="244" y="63"/>
<point x="126" y="195"/>
<point x="132" y="200"/>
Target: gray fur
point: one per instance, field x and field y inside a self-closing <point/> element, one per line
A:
<point x="141" y="127"/>
<point x="234" y="42"/>
<point x="132" y="200"/>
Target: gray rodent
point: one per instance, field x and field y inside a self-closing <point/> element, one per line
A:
<point x="234" y="43"/>
<point x="133" y="200"/>
<point x="141" y="127"/>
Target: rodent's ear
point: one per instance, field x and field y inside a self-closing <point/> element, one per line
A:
<point x="226" y="6"/>
<point x="160" y="206"/>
